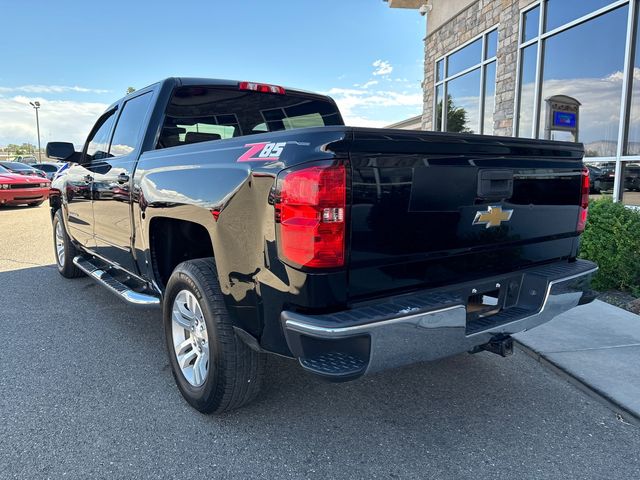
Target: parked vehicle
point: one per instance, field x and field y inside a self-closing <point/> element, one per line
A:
<point x="260" y="223"/>
<point x="594" y="176"/>
<point x="28" y="159"/>
<point x="49" y="168"/>
<point x="606" y="179"/>
<point x="632" y="177"/>
<point x="21" y="189"/>
<point x="23" y="169"/>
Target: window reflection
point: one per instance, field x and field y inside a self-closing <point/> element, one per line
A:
<point x="466" y="93"/>
<point x="527" y="91"/>
<point x="465" y="58"/>
<point x="489" y="98"/>
<point x="531" y="24"/>
<point x="127" y="132"/>
<point x="633" y="141"/>
<point x="601" y="178"/>
<point x="439" y="93"/>
<point x="492" y="45"/>
<point x="98" y="147"/>
<point x="631" y="183"/>
<point x="439" y="70"/>
<point x="586" y="62"/>
<point x="560" y="12"/>
<point x="463" y="95"/>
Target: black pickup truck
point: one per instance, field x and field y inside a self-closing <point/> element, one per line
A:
<point x="261" y="224"/>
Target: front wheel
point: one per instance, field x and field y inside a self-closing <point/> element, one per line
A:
<point x="64" y="249"/>
<point x="214" y="369"/>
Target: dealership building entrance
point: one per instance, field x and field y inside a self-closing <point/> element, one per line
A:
<point x="560" y="69"/>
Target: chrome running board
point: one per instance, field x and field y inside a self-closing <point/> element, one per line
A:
<point x="114" y="286"/>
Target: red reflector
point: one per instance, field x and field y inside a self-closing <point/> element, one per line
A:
<point x="584" y="200"/>
<point x="261" y="87"/>
<point x="311" y="213"/>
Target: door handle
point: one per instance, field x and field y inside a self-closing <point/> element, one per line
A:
<point x="123" y="178"/>
<point x="495" y="183"/>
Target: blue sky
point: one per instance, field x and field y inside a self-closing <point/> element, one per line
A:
<point x="77" y="57"/>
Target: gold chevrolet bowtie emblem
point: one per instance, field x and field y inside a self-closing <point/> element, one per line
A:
<point x="492" y="217"/>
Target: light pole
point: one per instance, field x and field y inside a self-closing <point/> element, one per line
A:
<point x="36" y="106"/>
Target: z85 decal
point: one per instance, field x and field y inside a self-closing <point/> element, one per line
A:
<point x="262" y="152"/>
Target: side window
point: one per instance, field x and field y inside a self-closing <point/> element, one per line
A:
<point x="129" y="126"/>
<point x="98" y="146"/>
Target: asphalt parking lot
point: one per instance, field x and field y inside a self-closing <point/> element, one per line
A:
<point x="86" y="392"/>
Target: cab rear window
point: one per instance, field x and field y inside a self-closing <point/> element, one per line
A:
<point x="197" y="114"/>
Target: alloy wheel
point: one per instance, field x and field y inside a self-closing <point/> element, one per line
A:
<point x="59" y="244"/>
<point x="190" y="339"/>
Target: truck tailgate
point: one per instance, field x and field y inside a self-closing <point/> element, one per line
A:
<point x="431" y="208"/>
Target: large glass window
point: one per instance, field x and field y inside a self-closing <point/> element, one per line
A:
<point x="631" y="183"/>
<point x="465" y="87"/>
<point x="438" y="108"/>
<point x="580" y="51"/>
<point x="464" y="58"/>
<point x="528" y="60"/>
<point x="463" y="94"/>
<point x="586" y="63"/>
<point x="560" y="12"/>
<point x="633" y="139"/>
<point x="489" y="98"/>
<point x="530" y="24"/>
<point x="491" y="48"/>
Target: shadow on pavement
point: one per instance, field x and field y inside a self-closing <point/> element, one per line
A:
<point x="86" y="389"/>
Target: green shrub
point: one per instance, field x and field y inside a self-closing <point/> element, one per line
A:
<point x="612" y="240"/>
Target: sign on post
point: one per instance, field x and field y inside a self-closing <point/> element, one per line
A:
<point x="563" y="114"/>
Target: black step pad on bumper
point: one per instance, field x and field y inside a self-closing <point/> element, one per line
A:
<point x="430" y="325"/>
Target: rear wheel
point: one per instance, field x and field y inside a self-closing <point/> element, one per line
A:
<point x="64" y="250"/>
<point x="214" y="369"/>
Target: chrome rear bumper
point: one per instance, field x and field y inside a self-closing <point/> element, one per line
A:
<point x="348" y="344"/>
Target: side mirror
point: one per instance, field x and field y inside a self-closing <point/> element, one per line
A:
<point x="60" y="150"/>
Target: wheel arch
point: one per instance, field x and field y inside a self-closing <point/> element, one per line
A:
<point x="173" y="241"/>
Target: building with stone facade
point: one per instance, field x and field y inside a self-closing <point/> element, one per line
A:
<point x="496" y="66"/>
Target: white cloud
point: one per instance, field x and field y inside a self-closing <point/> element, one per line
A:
<point x="618" y="76"/>
<point x="50" y="89"/>
<point x="380" y="98"/>
<point x="366" y="85"/>
<point x="60" y="120"/>
<point x="356" y="121"/>
<point x="383" y="67"/>
<point x="600" y="110"/>
<point x="366" y="108"/>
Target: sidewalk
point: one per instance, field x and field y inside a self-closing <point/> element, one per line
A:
<point x="598" y="347"/>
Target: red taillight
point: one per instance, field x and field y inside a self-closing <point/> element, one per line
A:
<point x="311" y="213"/>
<point x="261" y="87"/>
<point x="584" y="201"/>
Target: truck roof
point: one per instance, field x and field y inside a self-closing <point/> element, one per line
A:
<point x="199" y="81"/>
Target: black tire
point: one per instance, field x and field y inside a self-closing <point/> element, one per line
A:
<point x="66" y="268"/>
<point x="235" y="371"/>
<point x="36" y="204"/>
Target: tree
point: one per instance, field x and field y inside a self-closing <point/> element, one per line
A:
<point x="130" y="90"/>
<point x="24" y="149"/>
<point x="456" y="117"/>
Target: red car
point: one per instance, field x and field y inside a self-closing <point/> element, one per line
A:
<point x="21" y="189"/>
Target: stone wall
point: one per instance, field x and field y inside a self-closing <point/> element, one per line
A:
<point x="469" y="23"/>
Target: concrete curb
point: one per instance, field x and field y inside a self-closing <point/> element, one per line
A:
<point x="622" y="413"/>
